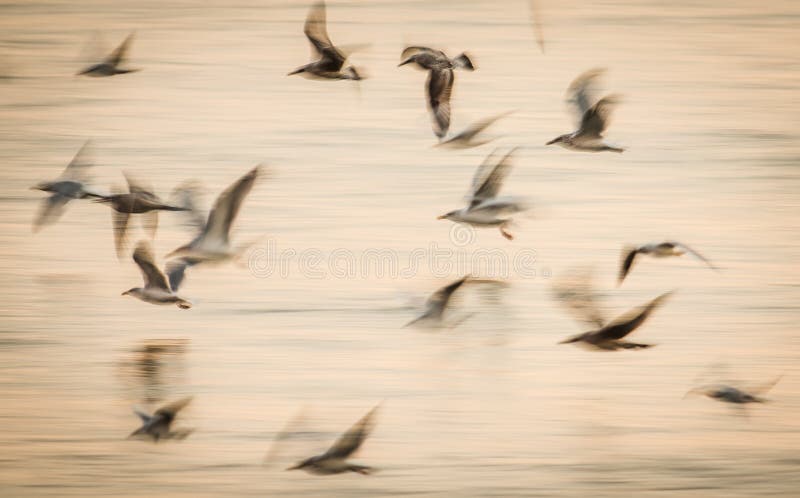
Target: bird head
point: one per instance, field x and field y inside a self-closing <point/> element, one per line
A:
<point x="136" y="291"/>
<point x="302" y="464"/>
<point x="559" y="139"/>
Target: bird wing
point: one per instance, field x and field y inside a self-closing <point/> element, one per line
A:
<point x="77" y="169"/>
<point x="145" y="417"/>
<point x="626" y="262"/>
<point x="120" y="222"/>
<point x="596" y="119"/>
<point x="227" y="206"/>
<point x="695" y="254"/>
<point x="150" y="222"/>
<point x="487" y="185"/>
<point x="440" y="86"/>
<point x="187" y="196"/>
<point x="424" y="56"/>
<point x="630" y="321"/>
<point x="51" y="209"/>
<point x="437" y="302"/>
<point x="176" y="271"/>
<point x="478" y="126"/>
<point x="153" y="277"/>
<point x="581" y="94"/>
<point x="316" y="31"/>
<point x="118" y="55"/>
<point x="173" y="408"/>
<point x="575" y="290"/>
<point x="136" y="186"/>
<point x="350" y="441"/>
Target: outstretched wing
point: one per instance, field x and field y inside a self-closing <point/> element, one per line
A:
<point x="575" y="291"/>
<point x="440" y="87"/>
<point x="51" y="209"/>
<point x="695" y="254"/>
<point x="437" y="302"/>
<point x="626" y="262"/>
<point x="350" y="441"/>
<point x="316" y="31"/>
<point x="630" y="321"/>
<point x="427" y="58"/>
<point x="490" y="185"/>
<point x="596" y="119"/>
<point x="227" y="207"/>
<point x="582" y="92"/>
<point x="118" y="55"/>
<point x="173" y="408"/>
<point x="153" y="277"/>
<point x="478" y="126"/>
<point x="77" y="169"/>
<point x="136" y="186"/>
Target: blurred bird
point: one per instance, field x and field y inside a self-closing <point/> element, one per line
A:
<point x="212" y="244"/>
<point x="656" y="250"/>
<point x="485" y="208"/>
<point x="156" y="289"/>
<point x="592" y="115"/>
<point x="334" y="461"/>
<point x="536" y="23"/>
<point x="579" y="297"/>
<point x="436" y="305"/>
<point x="440" y="81"/>
<point x="110" y="65"/>
<point x="138" y="200"/>
<point x="331" y="59"/>
<point x="729" y="394"/>
<point x="466" y="138"/>
<point x="157" y="425"/>
<point x="72" y="184"/>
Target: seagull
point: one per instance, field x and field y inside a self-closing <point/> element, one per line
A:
<point x="466" y="138"/>
<point x="656" y="250"/>
<point x="212" y="244"/>
<point x="436" y="305"/>
<point x="331" y="59"/>
<point x="730" y="394"/>
<point x="334" y="461"/>
<point x="593" y="116"/>
<point x="156" y="289"/>
<point x="138" y="200"/>
<point x="110" y="65"/>
<point x="440" y="81"/>
<point x="72" y="184"/>
<point x="579" y="297"/>
<point x="157" y="425"/>
<point x="485" y="209"/>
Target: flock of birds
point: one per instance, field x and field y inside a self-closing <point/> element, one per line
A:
<point x="485" y="208"/>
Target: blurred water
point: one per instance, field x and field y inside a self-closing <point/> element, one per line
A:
<point x="493" y="408"/>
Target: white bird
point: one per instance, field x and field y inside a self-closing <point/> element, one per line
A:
<point x="657" y="250"/>
<point x="156" y="289"/>
<point x="212" y="245"/>
<point x="485" y="208"/>
<point x="436" y="305"/>
<point x="592" y="115"/>
<point x="158" y="425"/>
<point x="334" y="461"/>
<point x="72" y="184"/>
<point x="110" y="66"/>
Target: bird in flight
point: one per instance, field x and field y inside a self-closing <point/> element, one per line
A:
<point x="436" y="305"/>
<point x="737" y="395"/>
<point x="158" y="425"/>
<point x="466" y="138"/>
<point x="110" y="66"/>
<point x="156" y="289"/>
<point x="657" y="250"/>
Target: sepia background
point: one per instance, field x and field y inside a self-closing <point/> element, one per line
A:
<point x="492" y="408"/>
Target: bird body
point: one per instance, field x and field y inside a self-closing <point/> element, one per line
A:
<point x="156" y="289"/>
<point x="656" y="250"/>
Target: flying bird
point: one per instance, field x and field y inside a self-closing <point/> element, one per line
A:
<point x="579" y="298"/>
<point x="656" y="250"/>
<point x="334" y="461"/>
<point x="440" y="81"/>
<point x="485" y="208"/>
<point x="467" y="137"/>
<point x="156" y="289"/>
<point x="730" y="394"/>
<point x="110" y="66"/>
<point x="138" y="200"/>
<point x="330" y="64"/>
<point x="436" y="305"/>
<point x="212" y="244"/>
<point x="72" y="184"/>
<point x="158" y="425"/>
<point x="593" y="115"/>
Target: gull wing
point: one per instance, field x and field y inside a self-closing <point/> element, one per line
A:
<point x="350" y="441"/>
<point x="187" y="196"/>
<point x="630" y="321"/>
<point x="153" y="277"/>
<point x="51" y="209"/>
<point x="173" y="408"/>
<point x="120" y="222"/>
<point x="695" y="254"/>
<point x="227" y="206"/>
<point x="426" y="57"/>
<point x="440" y="87"/>
<point x="316" y="31"/>
<point x="77" y="169"/>
<point x="136" y="186"/>
<point x="596" y="119"/>
<point x="118" y="55"/>
<point x="582" y="92"/>
<point x="575" y="290"/>
<point x="437" y="302"/>
<point x="176" y="271"/>
<point x="487" y="185"/>
<point x="627" y="258"/>
<point x="478" y="126"/>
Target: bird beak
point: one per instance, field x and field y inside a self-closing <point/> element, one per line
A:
<point x="294" y="72"/>
<point x="293" y="467"/>
<point x="125" y="293"/>
<point x="551" y="142"/>
<point x="442" y="217"/>
<point x="404" y="62"/>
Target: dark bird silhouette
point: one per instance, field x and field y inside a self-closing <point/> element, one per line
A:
<point x="158" y="425"/>
<point x="334" y="461"/>
<point x="156" y="289"/>
<point x="593" y="115"/>
<point x="110" y="66"/>
<point x="72" y="184"/>
<point x="436" y="305"/>
<point x="730" y="394"/>
<point x="138" y="200"/>
<point x="439" y="86"/>
<point x="330" y="64"/>
<point x="657" y="250"/>
<point x="579" y="298"/>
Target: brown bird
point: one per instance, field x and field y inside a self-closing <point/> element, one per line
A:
<point x="158" y="425"/>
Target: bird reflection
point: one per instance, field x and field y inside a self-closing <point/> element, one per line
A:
<point x="159" y="425"/>
<point x="440" y="81"/>
<point x="737" y="395"/>
<point x="152" y="367"/>
<point x="592" y="115"/>
<point x="110" y="66"/>
<point x="577" y="294"/>
<point x="656" y="250"/>
<point x="331" y="59"/>
<point x="334" y="461"/>
<point x="467" y="138"/>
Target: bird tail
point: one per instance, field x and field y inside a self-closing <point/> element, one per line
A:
<point x="464" y="62"/>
